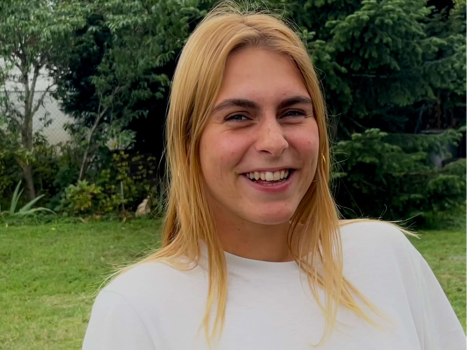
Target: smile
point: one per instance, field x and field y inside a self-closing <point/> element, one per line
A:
<point x="269" y="175"/>
<point x="269" y="178"/>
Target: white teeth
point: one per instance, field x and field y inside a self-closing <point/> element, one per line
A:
<point x="268" y="175"/>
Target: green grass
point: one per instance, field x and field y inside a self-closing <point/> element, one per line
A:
<point x="445" y="252"/>
<point x="49" y="275"/>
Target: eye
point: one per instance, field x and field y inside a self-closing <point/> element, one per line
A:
<point x="294" y="114"/>
<point x="236" y="118"/>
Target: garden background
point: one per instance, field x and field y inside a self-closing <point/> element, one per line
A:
<point x="84" y="86"/>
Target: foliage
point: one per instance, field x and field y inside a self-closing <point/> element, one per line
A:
<point x="27" y="209"/>
<point x="9" y="171"/>
<point x="377" y="177"/>
<point x="392" y="65"/>
<point x="45" y="162"/>
<point x="116" y="189"/>
<point x="81" y="198"/>
<point x="69" y="157"/>
<point x="391" y="71"/>
<point x="124" y="44"/>
<point x="32" y="34"/>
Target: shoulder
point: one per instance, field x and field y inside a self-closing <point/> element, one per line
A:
<point x="147" y="295"/>
<point x="121" y="313"/>
<point x="372" y="230"/>
<point x="151" y="280"/>
<point x="375" y="252"/>
<point x="147" y="274"/>
<point x="374" y="238"/>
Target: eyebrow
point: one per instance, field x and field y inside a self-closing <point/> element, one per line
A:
<point x="236" y="102"/>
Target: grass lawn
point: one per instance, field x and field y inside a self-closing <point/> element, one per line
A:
<point x="49" y="275"/>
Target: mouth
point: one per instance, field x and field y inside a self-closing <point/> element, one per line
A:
<point x="270" y="178"/>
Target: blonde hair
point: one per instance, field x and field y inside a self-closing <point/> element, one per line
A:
<point x="314" y="226"/>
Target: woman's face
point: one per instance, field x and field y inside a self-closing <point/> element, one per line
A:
<point x="259" y="149"/>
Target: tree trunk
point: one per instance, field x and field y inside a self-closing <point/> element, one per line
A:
<point x="27" y="122"/>
<point x="84" y="164"/>
<point x="27" y="171"/>
<point x="27" y="141"/>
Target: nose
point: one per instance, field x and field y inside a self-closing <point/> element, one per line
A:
<point x="270" y="137"/>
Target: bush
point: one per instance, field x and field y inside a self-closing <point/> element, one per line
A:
<point x="81" y="198"/>
<point x="378" y="177"/>
<point x="14" y="212"/>
<point x="45" y="163"/>
<point x="44" y="159"/>
<point x="9" y="173"/>
<point x="117" y="189"/>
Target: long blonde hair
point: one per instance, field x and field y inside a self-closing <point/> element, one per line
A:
<point x="314" y="226"/>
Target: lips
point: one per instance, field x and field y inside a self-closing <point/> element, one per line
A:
<point x="271" y="186"/>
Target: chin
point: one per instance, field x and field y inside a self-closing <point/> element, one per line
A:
<point x="272" y="217"/>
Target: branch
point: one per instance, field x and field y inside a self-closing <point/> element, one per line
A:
<point x="100" y="114"/>
<point x="41" y="99"/>
<point x="17" y="66"/>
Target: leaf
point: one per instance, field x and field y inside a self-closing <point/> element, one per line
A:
<point x="29" y="205"/>
<point x="15" y="198"/>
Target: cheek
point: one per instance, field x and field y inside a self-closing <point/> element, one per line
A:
<point x="220" y="152"/>
<point x="306" y="142"/>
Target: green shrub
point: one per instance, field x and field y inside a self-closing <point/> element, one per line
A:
<point x="81" y="198"/>
<point x="44" y="159"/>
<point x="378" y="175"/>
<point x="26" y="209"/>
<point x="10" y="172"/>
<point x="116" y="189"/>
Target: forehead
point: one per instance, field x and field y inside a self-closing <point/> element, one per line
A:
<point x="262" y="75"/>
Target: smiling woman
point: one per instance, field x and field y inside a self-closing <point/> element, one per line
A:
<point x="253" y="251"/>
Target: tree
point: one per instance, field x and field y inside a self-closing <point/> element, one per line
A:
<point x="122" y="51"/>
<point x="377" y="176"/>
<point x="382" y="63"/>
<point x="32" y="34"/>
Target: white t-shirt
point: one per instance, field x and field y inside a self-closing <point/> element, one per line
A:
<point x="156" y="307"/>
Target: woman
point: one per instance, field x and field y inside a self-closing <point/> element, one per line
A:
<point x="253" y="253"/>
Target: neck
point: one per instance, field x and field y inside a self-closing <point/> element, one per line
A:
<point x="253" y="241"/>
